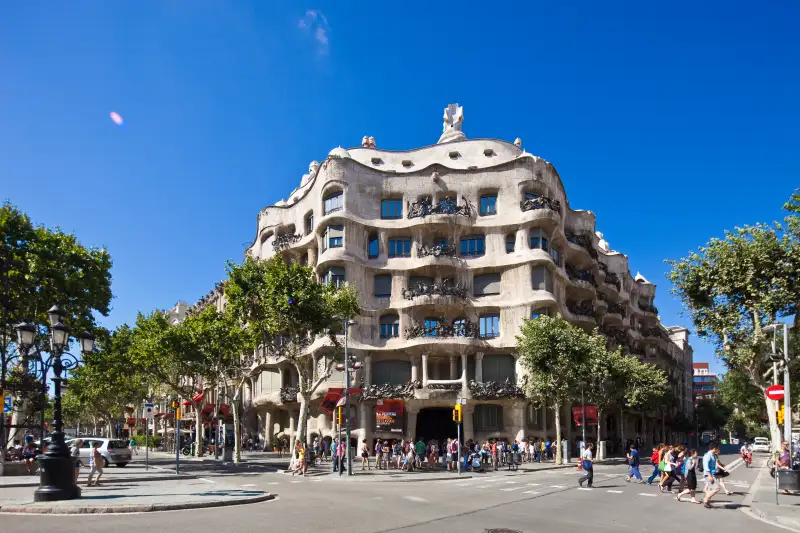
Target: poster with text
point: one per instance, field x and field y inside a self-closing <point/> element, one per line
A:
<point x="389" y="416"/>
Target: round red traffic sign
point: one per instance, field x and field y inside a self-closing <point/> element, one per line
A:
<point x="775" y="392"/>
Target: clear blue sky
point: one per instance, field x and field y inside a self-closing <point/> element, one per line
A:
<point x="671" y="123"/>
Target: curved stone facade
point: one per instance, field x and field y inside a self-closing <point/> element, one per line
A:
<point x="451" y="246"/>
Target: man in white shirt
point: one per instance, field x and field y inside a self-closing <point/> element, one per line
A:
<point x="587" y="463"/>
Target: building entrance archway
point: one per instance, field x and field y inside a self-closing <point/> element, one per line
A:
<point x="435" y="423"/>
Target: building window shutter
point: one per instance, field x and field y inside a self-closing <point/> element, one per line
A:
<point x="486" y="284"/>
<point x="383" y="285"/>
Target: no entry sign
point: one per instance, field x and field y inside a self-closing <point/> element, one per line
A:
<point x="775" y="392"/>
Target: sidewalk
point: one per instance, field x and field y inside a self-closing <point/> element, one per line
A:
<point x="139" y="497"/>
<point x="760" y="503"/>
<point x="133" y="473"/>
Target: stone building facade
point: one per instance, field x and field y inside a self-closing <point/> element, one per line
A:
<point x="451" y="247"/>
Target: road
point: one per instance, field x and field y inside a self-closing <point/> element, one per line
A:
<point x="535" y="502"/>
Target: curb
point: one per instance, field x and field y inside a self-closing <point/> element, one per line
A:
<point x="118" y="509"/>
<point x="109" y="481"/>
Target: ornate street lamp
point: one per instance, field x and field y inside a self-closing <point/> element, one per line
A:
<point x="57" y="467"/>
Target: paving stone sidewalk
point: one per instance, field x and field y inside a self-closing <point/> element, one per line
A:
<point x="134" y="472"/>
<point x="136" y="497"/>
<point x="760" y="503"/>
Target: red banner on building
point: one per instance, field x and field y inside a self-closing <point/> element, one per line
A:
<point x="389" y="416"/>
<point x="333" y="396"/>
<point x="591" y="415"/>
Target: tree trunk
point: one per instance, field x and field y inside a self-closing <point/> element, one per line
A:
<point x="557" y="409"/>
<point x="198" y="434"/>
<point x="774" y="429"/>
<point x="302" y="425"/>
<point x="599" y="436"/>
<point x="237" y="442"/>
<point x="622" y="428"/>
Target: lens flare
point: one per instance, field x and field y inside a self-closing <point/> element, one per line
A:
<point x="116" y="118"/>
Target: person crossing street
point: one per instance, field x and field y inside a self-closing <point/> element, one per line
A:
<point x="587" y="463"/>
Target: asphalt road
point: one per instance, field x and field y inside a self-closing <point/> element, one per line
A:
<point x="536" y="502"/>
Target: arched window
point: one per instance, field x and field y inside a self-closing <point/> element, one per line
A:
<point x="390" y="326"/>
<point x="511" y="240"/>
<point x="333" y="202"/>
<point x="542" y="279"/>
<point x="540" y="239"/>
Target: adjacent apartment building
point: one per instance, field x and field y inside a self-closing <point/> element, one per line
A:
<point x="704" y="382"/>
<point x="451" y="247"/>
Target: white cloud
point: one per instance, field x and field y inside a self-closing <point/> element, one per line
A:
<point x="316" y="24"/>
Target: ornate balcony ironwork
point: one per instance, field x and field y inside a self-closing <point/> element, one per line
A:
<point x="455" y="387"/>
<point x="487" y="390"/>
<point x="615" y="334"/>
<point x="289" y="394"/>
<point x="649" y="308"/>
<point x="580" y="275"/>
<point x="437" y="250"/>
<point x="603" y="266"/>
<point x="387" y="391"/>
<point x="584" y="308"/>
<point x="617" y="309"/>
<point x="583" y="240"/>
<point x="651" y="331"/>
<point x="540" y="202"/>
<point x="425" y="207"/>
<point x="459" y="328"/>
<point x="435" y="289"/>
<point x="613" y="279"/>
<point x="285" y="240"/>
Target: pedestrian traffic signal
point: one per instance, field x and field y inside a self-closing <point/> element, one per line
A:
<point x="174" y="405"/>
<point x="339" y="417"/>
<point x="177" y="413"/>
<point x="780" y="415"/>
<point x="457" y="415"/>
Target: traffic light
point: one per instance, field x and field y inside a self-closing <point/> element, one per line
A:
<point x="177" y="413"/>
<point x="457" y="415"/>
<point x="339" y="417"/>
<point x="780" y="414"/>
<point x="174" y="405"/>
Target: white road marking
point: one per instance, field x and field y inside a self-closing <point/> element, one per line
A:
<point x="533" y="484"/>
<point x="415" y="498"/>
<point x="463" y="485"/>
<point x="530" y="492"/>
<point x="557" y="487"/>
<point x="273" y="483"/>
<point x="610" y="475"/>
<point x="509" y="489"/>
<point x="511" y="482"/>
<point x="296" y="481"/>
<point x="484" y="487"/>
<point x="647" y="494"/>
<point x="615" y="491"/>
<point x="581" y="488"/>
<point x="207" y="480"/>
<point x="249" y="485"/>
<point x="316" y="480"/>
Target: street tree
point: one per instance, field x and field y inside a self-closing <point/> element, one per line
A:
<point x="227" y="350"/>
<point x="605" y="379"/>
<point x="40" y="267"/>
<point x="289" y="313"/>
<point x="555" y="356"/>
<point x="645" y="386"/>
<point x="735" y="286"/>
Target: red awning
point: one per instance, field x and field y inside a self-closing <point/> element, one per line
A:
<point x="159" y="415"/>
<point x="207" y="408"/>
<point x="197" y="397"/>
<point x="187" y="403"/>
<point x="225" y="409"/>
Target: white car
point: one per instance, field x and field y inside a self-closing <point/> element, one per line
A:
<point x="761" y="444"/>
<point x="114" y="451"/>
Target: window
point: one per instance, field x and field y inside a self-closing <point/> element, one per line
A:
<point x="511" y="240"/>
<point x="488" y="417"/>
<point x="383" y="285"/>
<point x="498" y="367"/>
<point x="531" y="195"/>
<point x="488" y="204"/>
<point x="372" y="247"/>
<point x="309" y="222"/>
<point x="400" y="247"/>
<point x="333" y="202"/>
<point x="536" y="313"/>
<point x="486" y="285"/>
<point x="539" y="239"/>
<point x="447" y="206"/>
<point x="489" y="326"/>
<point x="534" y="416"/>
<point x="459" y="327"/>
<point x="334" y="236"/>
<point x="555" y="253"/>
<point x="334" y="276"/>
<point x="390" y="328"/>
<point x="431" y="325"/>
<point x="394" y="372"/>
<point x="473" y="246"/>
<point x="391" y="209"/>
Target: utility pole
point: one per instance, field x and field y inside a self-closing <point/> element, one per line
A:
<point x="347" y="401"/>
<point x="787" y="389"/>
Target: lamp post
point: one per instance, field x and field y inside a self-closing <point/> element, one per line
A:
<point x="787" y="389"/>
<point x="57" y="481"/>
<point x="347" y="367"/>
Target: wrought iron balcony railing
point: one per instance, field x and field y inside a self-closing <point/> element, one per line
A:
<point x="435" y="289"/>
<point x="540" y="202"/>
<point x="387" y="391"/>
<point x="425" y="207"/>
<point x="584" y="308"/>
<point x="580" y="275"/>
<point x="437" y="250"/>
<point x="487" y="390"/>
<point x="440" y="328"/>
<point x="583" y="240"/>
<point x="285" y="240"/>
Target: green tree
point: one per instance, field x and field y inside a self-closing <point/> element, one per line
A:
<point x="605" y="378"/>
<point x="736" y="285"/>
<point x="645" y="385"/>
<point x="286" y="309"/>
<point x="711" y="414"/>
<point x="555" y="355"/>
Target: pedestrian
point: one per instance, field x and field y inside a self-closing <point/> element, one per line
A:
<point x="133" y="446"/>
<point x="95" y="464"/>
<point x="29" y="454"/>
<point x="587" y="463"/>
<point x="633" y="463"/>
<point x="301" y="459"/>
<point x="654" y="459"/>
<point x="690" y="466"/>
<point x="784" y="461"/>
<point x="710" y="473"/>
<point x="334" y="456"/>
<point x="722" y="473"/>
<point x="432" y="456"/>
<point x="365" y="455"/>
<point x="341" y="452"/>
<point x="75" y="452"/>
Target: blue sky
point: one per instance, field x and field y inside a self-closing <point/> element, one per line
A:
<point x="671" y="121"/>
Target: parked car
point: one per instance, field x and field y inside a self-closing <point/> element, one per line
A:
<point x="761" y="444"/>
<point x="114" y="451"/>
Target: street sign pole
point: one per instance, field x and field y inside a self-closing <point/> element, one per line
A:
<point x="787" y="402"/>
<point x="459" y="448"/>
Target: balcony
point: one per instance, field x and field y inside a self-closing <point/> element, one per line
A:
<point x="652" y="331"/>
<point x="584" y="308"/>
<point x="583" y="240"/>
<point x="463" y="328"/>
<point x="285" y="241"/>
<point x="438" y="250"/>
<point x="613" y="279"/>
<point x="289" y="394"/>
<point x="585" y="275"/>
<point x="614" y="334"/>
<point x="425" y="207"/>
<point x="435" y="289"/>
<point x="540" y="202"/>
<point x="617" y="309"/>
<point x="387" y="391"/>
<point x="649" y="308"/>
<point x="492" y="390"/>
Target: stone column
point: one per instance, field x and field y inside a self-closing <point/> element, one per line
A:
<point x="453" y="367"/>
<point x="322" y="425"/>
<point x="282" y="376"/>
<point x="424" y="370"/>
<point x="269" y="430"/>
<point x="411" y="422"/>
<point x="516" y="420"/>
<point x="365" y="423"/>
<point x="312" y="257"/>
<point x="464" y="384"/>
<point x="292" y="423"/>
<point x="414" y="368"/>
<point x="468" y="426"/>
<point x="367" y="370"/>
<point x="479" y="367"/>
